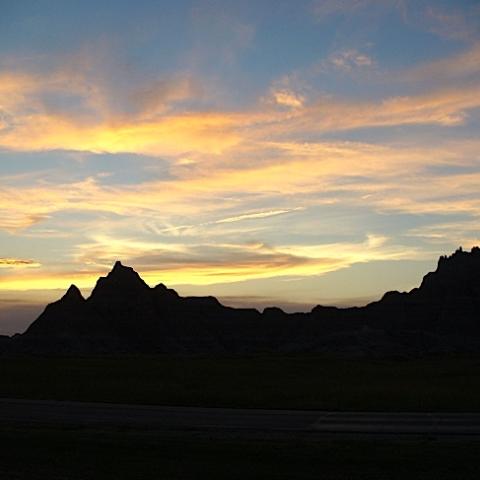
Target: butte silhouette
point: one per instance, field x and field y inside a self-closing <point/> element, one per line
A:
<point x="124" y="315"/>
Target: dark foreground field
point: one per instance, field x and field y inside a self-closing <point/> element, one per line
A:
<point x="53" y="454"/>
<point x="293" y="382"/>
<point x="41" y="451"/>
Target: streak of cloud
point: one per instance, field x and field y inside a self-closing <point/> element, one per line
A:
<point x="204" y="264"/>
<point x="309" y="172"/>
<point x="256" y="215"/>
<point x="17" y="262"/>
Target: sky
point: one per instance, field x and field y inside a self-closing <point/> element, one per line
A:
<point x="266" y="152"/>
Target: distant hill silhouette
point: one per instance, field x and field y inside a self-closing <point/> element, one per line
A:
<point x="123" y="314"/>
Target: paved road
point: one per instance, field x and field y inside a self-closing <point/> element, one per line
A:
<point x="33" y="412"/>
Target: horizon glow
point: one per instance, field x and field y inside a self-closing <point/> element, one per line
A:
<point x="288" y="153"/>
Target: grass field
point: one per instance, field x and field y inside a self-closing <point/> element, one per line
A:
<point x="297" y="381"/>
<point x="51" y="454"/>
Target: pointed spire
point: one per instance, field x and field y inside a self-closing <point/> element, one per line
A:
<point x="73" y="294"/>
<point x="120" y="280"/>
<point x="117" y="266"/>
<point x="124" y="273"/>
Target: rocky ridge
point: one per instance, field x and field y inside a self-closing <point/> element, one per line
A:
<point x="124" y="315"/>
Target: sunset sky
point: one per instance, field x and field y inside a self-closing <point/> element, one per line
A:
<point x="266" y="152"/>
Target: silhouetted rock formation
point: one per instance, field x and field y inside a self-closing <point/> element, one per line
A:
<point x="4" y="342"/>
<point x="123" y="314"/>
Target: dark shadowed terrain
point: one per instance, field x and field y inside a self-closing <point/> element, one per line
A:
<point x="54" y="454"/>
<point x="308" y="381"/>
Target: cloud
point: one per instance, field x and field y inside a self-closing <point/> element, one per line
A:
<point x="217" y="132"/>
<point x="465" y="233"/>
<point x="256" y="215"/>
<point x="446" y="107"/>
<point x="153" y="120"/>
<point x="17" y="262"/>
<point x="161" y="94"/>
<point x="14" y="220"/>
<point x="209" y="264"/>
<point x="84" y="97"/>
<point x="298" y="168"/>
<point x="68" y="108"/>
<point x="453" y="68"/>
<point x="288" y="98"/>
<point x="347" y="60"/>
<point x="324" y="9"/>
<point x="453" y="23"/>
<point x="203" y="264"/>
<point x="376" y="178"/>
<point x="170" y="135"/>
<point x="219" y="36"/>
<point x="240" y="185"/>
<point x="449" y="22"/>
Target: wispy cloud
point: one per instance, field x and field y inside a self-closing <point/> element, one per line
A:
<point x="455" y="67"/>
<point x="380" y="178"/>
<point x="224" y="36"/>
<point x="162" y="94"/>
<point x="248" y="189"/>
<point x="465" y="233"/>
<point x="449" y="21"/>
<point x="453" y="23"/>
<point x="203" y="264"/>
<point x="17" y="262"/>
<point x="71" y="108"/>
<point x="323" y="9"/>
<point x="446" y="107"/>
<point x="210" y="132"/>
<point x="348" y="60"/>
<point x="288" y="98"/>
<point x="256" y="215"/>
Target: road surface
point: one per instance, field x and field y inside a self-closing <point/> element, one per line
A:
<point x="83" y="414"/>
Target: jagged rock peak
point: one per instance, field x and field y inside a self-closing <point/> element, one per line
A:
<point x="456" y="275"/>
<point x="118" y="266"/>
<point x="73" y="293"/>
<point x="392" y="295"/>
<point x="459" y="254"/>
<point x="121" y="271"/>
<point x="163" y="290"/>
<point x="120" y="278"/>
<point x="460" y="260"/>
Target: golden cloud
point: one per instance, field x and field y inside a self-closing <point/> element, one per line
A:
<point x="304" y="174"/>
<point x="151" y="127"/>
<point x="205" y="264"/>
<point x="223" y="159"/>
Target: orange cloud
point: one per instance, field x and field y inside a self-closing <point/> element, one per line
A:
<point x="444" y="107"/>
<point x="150" y="125"/>
<point x="173" y="135"/>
